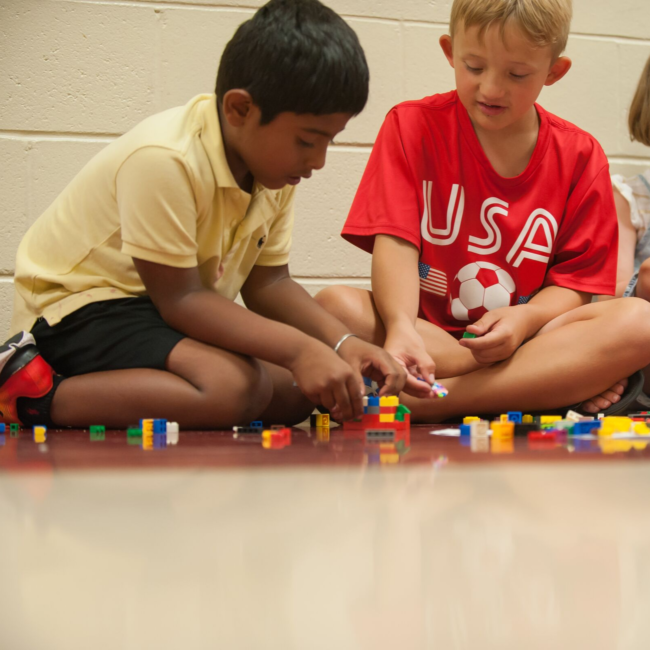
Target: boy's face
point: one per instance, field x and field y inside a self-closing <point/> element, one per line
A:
<point x="289" y="148"/>
<point x="500" y="76"/>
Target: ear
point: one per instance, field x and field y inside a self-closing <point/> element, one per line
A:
<point x="237" y="106"/>
<point x="558" y="70"/>
<point x="446" y="45"/>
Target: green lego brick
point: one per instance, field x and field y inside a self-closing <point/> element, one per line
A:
<point x="468" y="335"/>
<point x="134" y="432"/>
<point x="403" y="410"/>
<point x="97" y="428"/>
<point x="14" y="427"/>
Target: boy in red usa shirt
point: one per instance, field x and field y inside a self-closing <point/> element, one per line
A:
<point x="485" y="213"/>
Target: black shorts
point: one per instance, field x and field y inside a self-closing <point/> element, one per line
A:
<point x="107" y="335"/>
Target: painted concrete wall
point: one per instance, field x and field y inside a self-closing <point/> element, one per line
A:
<point x="75" y="74"/>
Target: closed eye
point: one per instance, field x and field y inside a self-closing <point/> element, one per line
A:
<point x="474" y="70"/>
<point x="518" y="76"/>
<point x="304" y="143"/>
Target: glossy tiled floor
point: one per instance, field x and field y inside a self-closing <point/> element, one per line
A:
<point x="217" y="543"/>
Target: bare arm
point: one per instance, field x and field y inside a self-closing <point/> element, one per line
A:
<point x="396" y="292"/>
<point x="626" y="246"/>
<point x="203" y="315"/>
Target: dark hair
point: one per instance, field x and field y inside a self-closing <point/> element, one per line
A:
<point x="297" y="56"/>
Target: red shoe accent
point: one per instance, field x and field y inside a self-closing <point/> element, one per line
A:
<point x="33" y="380"/>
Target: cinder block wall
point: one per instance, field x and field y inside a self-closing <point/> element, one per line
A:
<point x="75" y="74"/>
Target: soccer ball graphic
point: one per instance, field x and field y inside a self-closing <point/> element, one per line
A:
<point x="478" y="288"/>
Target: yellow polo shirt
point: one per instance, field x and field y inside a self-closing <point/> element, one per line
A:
<point x="163" y="192"/>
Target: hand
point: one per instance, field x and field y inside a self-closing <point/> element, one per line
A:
<point x="380" y="366"/>
<point x="325" y="378"/>
<point x="500" y="332"/>
<point x="407" y="347"/>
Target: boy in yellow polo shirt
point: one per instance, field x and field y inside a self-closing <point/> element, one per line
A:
<point x="125" y="285"/>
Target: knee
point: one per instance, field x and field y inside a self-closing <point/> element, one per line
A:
<point x="634" y="320"/>
<point x="337" y="300"/>
<point x="250" y="390"/>
<point x="643" y="281"/>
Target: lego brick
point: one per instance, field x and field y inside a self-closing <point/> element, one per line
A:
<point x="373" y="401"/>
<point x="97" y="428"/>
<point x="641" y="429"/>
<point x="40" y="433"/>
<point x="134" y="432"/>
<point x="388" y="409"/>
<point x="469" y="335"/>
<point x="524" y="429"/>
<point x="387" y="417"/>
<point x="14" y="426"/>
<point x="586" y="427"/>
<point x="479" y="429"/>
<point x="504" y="417"/>
<point x="159" y="425"/>
<point x="3" y="428"/>
<point x="319" y="420"/>
<point x="527" y="419"/>
<point x="550" y="419"/>
<point x="380" y="435"/>
<point x="257" y="424"/>
<point x="515" y="416"/>
<point x="373" y="410"/>
<point x="503" y="430"/>
<point x="543" y="436"/>
<point x="250" y="431"/>
<point x="465" y="430"/>
<point x="470" y="419"/>
<point x="146" y="424"/>
<point x="173" y="433"/>
<point x="392" y="400"/>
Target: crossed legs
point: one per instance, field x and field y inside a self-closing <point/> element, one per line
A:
<point x="579" y="354"/>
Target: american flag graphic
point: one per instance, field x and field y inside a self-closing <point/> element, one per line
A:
<point x="432" y="280"/>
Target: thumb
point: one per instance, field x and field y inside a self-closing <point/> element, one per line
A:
<point x="483" y="325"/>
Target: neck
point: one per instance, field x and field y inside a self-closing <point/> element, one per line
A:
<point x="238" y="167"/>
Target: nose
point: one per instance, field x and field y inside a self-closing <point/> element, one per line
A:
<point x="318" y="160"/>
<point x="491" y="87"/>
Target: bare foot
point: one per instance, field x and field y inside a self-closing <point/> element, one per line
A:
<point x="605" y="399"/>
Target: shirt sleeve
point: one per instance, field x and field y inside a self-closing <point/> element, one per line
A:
<point x="387" y="201"/>
<point x="586" y="251"/>
<point x="157" y="208"/>
<point x="276" y="250"/>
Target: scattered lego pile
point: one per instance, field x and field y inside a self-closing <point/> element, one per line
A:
<point x="552" y="428"/>
<point x="277" y="437"/>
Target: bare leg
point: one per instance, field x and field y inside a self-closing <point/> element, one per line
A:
<point x="203" y="387"/>
<point x="576" y="356"/>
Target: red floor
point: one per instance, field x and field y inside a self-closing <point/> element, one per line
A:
<point x="73" y="449"/>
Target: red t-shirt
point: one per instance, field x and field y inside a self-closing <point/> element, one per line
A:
<point x="486" y="241"/>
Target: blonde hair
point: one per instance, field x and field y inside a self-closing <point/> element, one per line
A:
<point x="639" y="120"/>
<point x="544" y="22"/>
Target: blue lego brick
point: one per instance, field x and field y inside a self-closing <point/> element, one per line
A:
<point x="373" y="401"/>
<point x="515" y="416"/>
<point x="585" y="428"/>
<point x="465" y="430"/>
<point x="2" y="427"/>
<point x="159" y="425"/>
<point x="257" y="424"/>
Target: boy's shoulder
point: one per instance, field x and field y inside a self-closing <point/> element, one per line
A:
<point x="434" y="104"/>
<point x="566" y="132"/>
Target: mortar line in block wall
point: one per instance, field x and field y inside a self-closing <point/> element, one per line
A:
<point x="58" y="136"/>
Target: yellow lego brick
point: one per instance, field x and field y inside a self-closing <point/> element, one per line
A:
<point x="527" y="419"/>
<point x="383" y="401"/>
<point x="266" y="435"/>
<point x="147" y="425"/>
<point x="503" y="417"/>
<point x="40" y="434"/>
<point x="324" y="420"/>
<point x="550" y="419"/>
<point x="641" y="429"/>
<point x="503" y="430"/>
<point x="616" y="425"/>
<point x="393" y="400"/>
<point x="389" y="459"/>
<point x="470" y="419"/>
<point x="387" y="417"/>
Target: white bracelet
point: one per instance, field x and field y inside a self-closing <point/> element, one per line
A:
<point x="343" y="338"/>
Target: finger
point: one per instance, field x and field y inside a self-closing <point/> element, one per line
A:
<point x="611" y="396"/>
<point x="342" y="398"/>
<point x="483" y="325"/>
<point x="490" y="340"/>
<point x="394" y="381"/>
<point x="326" y="398"/>
<point x="427" y="368"/>
<point x="356" y="396"/>
<point x="418" y="388"/>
